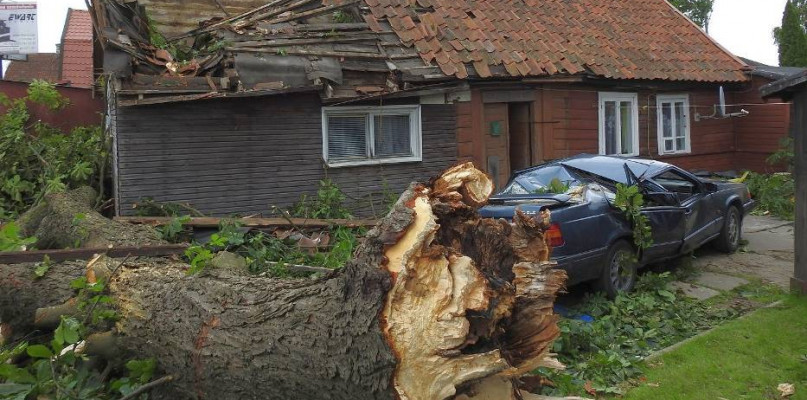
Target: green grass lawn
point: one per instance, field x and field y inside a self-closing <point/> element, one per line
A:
<point x="742" y="359"/>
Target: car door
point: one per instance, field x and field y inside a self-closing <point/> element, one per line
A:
<point x="695" y="202"/>
<point x="667" y="221"/>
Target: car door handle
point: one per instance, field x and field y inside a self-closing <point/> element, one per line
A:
<point x="687" y="212"/>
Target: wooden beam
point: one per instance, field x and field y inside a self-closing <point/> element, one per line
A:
<point x="213" y="222"/>
<point x="799" y="118"/>
<point x="17" y="257"/>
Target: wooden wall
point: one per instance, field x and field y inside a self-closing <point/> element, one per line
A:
<point x="567" y="119"/>
<point x="245" y="155"/>
<point x="759" y="133"/>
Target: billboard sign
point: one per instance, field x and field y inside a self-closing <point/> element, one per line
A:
<point x="18" y="28"/>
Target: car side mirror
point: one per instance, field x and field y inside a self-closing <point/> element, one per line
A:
<point x="709" y="186"/>
<point x="661" y="199"/>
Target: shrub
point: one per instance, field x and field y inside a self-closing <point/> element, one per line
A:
<point x="37" y="159"/>
<point x="775" y="194"/>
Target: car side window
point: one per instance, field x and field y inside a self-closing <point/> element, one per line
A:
<point x="682" y="186"/>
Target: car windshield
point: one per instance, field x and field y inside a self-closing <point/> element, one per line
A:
<point x="550" y="179"/>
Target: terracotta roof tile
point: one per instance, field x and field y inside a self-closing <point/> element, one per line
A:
<point x="639" y="39"/>
<point x="77" y="49"/>
<point x="43" y="66"/>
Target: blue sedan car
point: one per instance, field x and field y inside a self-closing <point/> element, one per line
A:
<point x="591" y="238"/>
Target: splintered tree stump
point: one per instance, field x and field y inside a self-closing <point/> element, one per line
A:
<point x="436" y="303"/>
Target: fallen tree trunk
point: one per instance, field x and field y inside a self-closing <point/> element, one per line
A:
<point x="435" y="303"/>
<point x="68" y="220"/>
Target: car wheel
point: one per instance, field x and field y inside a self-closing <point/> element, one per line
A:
<point x="729" y="239"/>
<point x="619" y="272"/>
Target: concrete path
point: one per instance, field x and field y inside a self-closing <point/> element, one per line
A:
<point x="768" y="255"/>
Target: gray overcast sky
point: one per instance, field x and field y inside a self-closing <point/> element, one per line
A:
<point x="742" y="26"/>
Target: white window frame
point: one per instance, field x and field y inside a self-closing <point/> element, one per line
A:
<point x="672" y="99"/>
<point x="414" y="131"/>
<point x="620" y="96"/>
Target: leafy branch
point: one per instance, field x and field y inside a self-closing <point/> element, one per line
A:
<point x="629" y="200"/>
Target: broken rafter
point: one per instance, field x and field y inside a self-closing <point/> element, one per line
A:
<point x="359" y="26"/>
<point x="366" y="35"/>
<point x="311" y="13"/>
<point x="227" y="21"/>
<point x="272" y="13"/>
<point x="296" y="42"/>
<point x="338" y="54"/>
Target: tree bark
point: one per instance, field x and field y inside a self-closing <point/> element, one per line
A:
<point x="436" y="303"/>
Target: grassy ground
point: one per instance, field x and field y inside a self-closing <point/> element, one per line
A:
<point x="742" y="359"/>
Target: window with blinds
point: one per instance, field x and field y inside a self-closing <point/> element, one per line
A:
<point x="371" y="135"/>
<point x="673" y="124"/>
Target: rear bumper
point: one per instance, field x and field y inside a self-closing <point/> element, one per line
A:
<point x="748" y="206"/>
<point x="581" y="267"/>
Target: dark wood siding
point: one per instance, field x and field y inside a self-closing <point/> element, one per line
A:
<point x="244" y="156"/>
<point x="759" y="133"/>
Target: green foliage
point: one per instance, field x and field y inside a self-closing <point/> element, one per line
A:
<point x="56" y="371"/>
<point x="329" y="203"/>
<point x="10" y="239"/>
<point x="699" y="11"/>
<point x="555" y="187"/>
<point x="603" y="342"/>
<point x="629" y="200"/>
<point x="53" y="370"/>
<point x="785" y="155"/>
<point x="37" y="159"/>
<point x="174" y="231"/>
<point x="791" y="36"/>
<point x="140" y="373"/>
<point x="342" y="17"/>
<point x="42" y="267"/>
<point x="775" y="194"/>
<point x="92" y="299"/>
<point x="198" y="256"/>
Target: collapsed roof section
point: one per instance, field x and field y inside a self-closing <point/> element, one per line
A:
<point x="179" y="50"/>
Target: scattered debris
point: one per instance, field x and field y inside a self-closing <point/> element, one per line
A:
<point x="786" y="389"/>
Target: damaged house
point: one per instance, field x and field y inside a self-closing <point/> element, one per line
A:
<point x="238" y="105"/>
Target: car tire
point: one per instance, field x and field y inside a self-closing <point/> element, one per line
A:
<point x="619" y="272"/>
<point x="729" y="239"/>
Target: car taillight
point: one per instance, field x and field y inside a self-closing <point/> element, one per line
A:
<point x="554" y="235"/>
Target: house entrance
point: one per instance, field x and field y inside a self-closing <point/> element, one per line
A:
<point x="508" y="139"/>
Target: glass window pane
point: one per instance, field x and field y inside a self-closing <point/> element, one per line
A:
<point x="666" y="120"/>
<point x="668" y="145"/>
<point x="680" y="120"/>
<point x="610" y="127"/>
<point x="392" y="136"/>
<point x="347" y="137"/>
<point x="626" y="116"/>
<point x="680" y="144"/>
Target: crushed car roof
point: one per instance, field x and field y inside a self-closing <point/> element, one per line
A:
<point x="609" y="167"/>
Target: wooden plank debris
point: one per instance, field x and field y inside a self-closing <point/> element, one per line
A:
<point x="57" y="255"/>
<point x="213" y="222"/>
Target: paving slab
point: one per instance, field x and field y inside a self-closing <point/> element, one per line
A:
<point x="757" y="223"/>
<point x="697" y="292"/>
<point x="719" y="281"/>
<point x="775" y="239"/>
